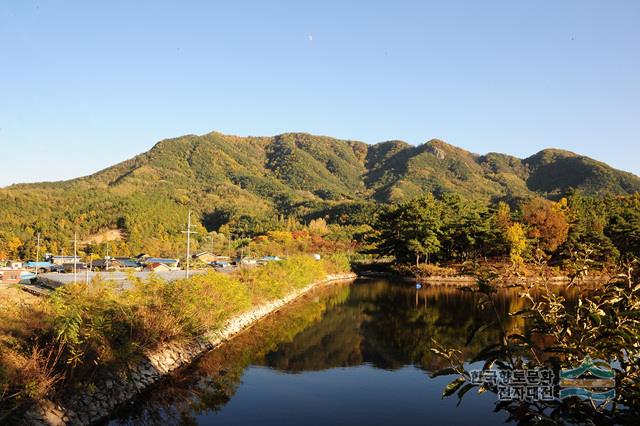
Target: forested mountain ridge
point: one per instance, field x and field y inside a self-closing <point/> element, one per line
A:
<point x="226" y="178"/>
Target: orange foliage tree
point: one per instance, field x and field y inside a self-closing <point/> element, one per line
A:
<point x="547" y="222"/>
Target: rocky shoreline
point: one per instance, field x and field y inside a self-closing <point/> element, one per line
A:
<point x="465" y="280"/>
<point x="102" y="399"/>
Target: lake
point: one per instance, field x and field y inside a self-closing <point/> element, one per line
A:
<point x="345" y="354"/>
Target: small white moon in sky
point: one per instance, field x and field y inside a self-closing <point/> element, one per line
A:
<point x="310" y="38"/>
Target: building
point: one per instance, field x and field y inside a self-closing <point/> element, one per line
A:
<point x="68" y="267"/>
<point x="125" y="263"/>
<point x="98" y="265"/>
<point x="266" y="259"/>
<point x="10" y="276"/>
<point x="205" y="257"/>
<point x="15" y="276"/>
<point x="157" y="267"/>
<point x="171" y="263"/>
<point x="40" y="266"/>
<point x="209" y="258"/>
<point x="245" y="261"/>
<point x="61" y="260"/>
<point x="115" y="263"/>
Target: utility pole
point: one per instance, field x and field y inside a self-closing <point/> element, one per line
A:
<point x="37" y="254"/>
<point x="188" y="232"/>
<point x="106" y="259"/>
<point x="75" y="257"/>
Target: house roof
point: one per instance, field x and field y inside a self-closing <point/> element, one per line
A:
<point x="161" y="260"/>
<point x="38" y="264"/>
<point x="156" y="265"/>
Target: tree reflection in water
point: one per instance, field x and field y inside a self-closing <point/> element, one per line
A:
<point x="384" y="324"/>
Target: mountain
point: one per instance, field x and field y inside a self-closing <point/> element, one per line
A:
<point x="223" y="178"/>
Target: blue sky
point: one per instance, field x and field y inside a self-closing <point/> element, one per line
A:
<point x="86" y="84"/>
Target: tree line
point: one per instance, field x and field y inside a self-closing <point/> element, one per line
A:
<point x="582" y="231"/>
<point x="577" y="230"/>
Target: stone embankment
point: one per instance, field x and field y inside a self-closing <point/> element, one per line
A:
<point x="101" y="399"/>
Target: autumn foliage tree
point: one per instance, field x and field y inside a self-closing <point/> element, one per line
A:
<point x="517" y="239"/>
<point x="503" y="216"/>
<point x="547" y="223"/>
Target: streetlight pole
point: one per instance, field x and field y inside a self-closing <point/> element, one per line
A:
<point x="75" y="257"/>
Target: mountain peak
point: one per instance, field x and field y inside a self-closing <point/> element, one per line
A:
<point x="298" y="173"/>
<point x="550" y="154"/>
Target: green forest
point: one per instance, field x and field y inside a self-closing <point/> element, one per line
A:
<point x="241" y="188"/>
<point x="578" y="233"/>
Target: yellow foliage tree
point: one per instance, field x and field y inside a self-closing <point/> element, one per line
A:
<point x="318" y="226"/>
<point x="503" y="216"/>
<point x="517" y="239"/>
<point x="280" y="237"/>
<point x="13" y="247"/>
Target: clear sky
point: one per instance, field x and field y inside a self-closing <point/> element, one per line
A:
<point x="86" y="84"/>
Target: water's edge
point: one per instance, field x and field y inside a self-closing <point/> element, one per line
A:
<point x="111" y="393"/>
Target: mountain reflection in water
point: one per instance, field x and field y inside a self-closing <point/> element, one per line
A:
<point x="344" y="354"/>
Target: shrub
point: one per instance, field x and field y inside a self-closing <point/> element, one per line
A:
<point x="205" y="302"/>
<point x="89" y="320"/>
<point x="84" y="326"/>
<point x="337" y="263"/>
<point x="276" y="279"/>
<point x="430" y="270"/>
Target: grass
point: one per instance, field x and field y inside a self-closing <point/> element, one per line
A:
<point x="82" y="330"/>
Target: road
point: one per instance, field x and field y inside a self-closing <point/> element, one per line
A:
<point x="55" y="279"/>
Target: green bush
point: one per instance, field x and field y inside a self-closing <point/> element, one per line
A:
<point x="205" y="302"/>
<point x="276" y="279"/>
<point x="337" y="263"/>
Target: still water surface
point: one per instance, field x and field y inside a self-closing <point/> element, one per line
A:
<point x="342" y="355"/>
